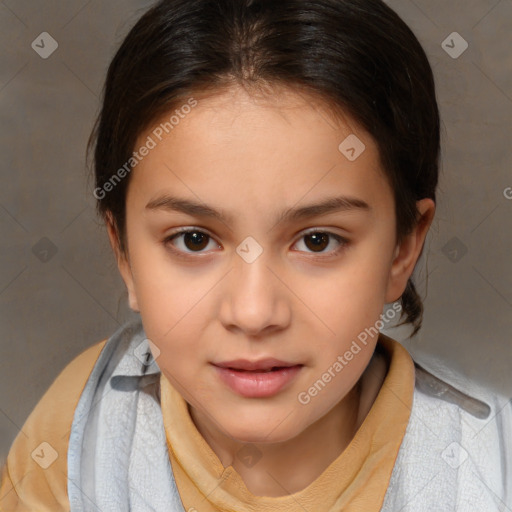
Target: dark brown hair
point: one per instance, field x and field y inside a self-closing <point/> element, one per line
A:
<point x="356" y="55"/>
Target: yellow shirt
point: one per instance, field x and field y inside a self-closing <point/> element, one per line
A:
<point x="355" y="482"/>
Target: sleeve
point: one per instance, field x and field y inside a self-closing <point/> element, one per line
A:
<point x="34" y="476"/>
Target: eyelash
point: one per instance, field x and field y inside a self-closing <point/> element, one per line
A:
<point x="187" y="255"/>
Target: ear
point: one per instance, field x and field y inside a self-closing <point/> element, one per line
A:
<point x="123" y="263"/>
<point x="408" y="252"/>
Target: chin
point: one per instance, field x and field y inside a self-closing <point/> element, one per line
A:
<point x="260" y="432"/>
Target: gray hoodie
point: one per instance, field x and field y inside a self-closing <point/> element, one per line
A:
<point x="456" y="454"/>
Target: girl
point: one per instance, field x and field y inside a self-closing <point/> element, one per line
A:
<point x="267" y="173"/>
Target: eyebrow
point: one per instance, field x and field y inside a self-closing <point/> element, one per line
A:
<point x="330" y="205"/>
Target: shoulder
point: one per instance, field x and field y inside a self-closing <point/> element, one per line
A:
<point x="481" y="412"/>
<point x="35" y="472"/>
<point x="458" y="444"/>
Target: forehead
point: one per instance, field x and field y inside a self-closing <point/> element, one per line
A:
<point x="237" y="145"/>
<point x="237" y="112"/>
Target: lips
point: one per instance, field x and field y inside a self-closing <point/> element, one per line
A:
<point x="262" y="365"/>
<point x="257" y="379"/>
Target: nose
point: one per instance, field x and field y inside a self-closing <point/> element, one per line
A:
<point x="255" y="301"/>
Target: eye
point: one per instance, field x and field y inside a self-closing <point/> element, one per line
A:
<point x="317" y="241"/>
<point x="189" y="240"/>
<point x="192" y="240"/>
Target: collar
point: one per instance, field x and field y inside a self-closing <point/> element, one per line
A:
<point x="133" y="360"/>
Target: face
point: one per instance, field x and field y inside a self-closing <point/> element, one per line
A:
<point x="289" y="253"/>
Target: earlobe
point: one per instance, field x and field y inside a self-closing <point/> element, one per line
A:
<point x="123" y="263"/>
<point x="408" y="252"/>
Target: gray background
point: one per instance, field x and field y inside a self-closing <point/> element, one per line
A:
<point x="59" y="287"/>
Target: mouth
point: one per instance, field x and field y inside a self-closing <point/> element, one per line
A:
<point x="257" y="379"/>
<point x="265" y="365"/>
<point x="273" y="369"/>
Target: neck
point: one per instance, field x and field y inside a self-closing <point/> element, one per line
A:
<point x="288" y="467"/>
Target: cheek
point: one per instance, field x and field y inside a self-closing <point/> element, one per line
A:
<point x="173" y="303"/>
<point x="348" y="300"/>
<point x="166" y="292"/>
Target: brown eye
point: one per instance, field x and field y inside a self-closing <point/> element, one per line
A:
<point x="318" y="241"/>
<point x="189" y="241"/>
<point x="195" y="240"/>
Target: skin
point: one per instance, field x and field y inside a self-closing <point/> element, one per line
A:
<point x="254" y="157"/>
